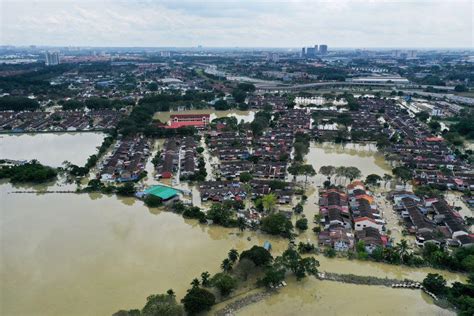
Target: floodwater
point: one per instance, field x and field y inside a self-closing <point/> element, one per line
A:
<point x="50" y="149"/>
<point x="313" y="297"/>
<point x="81" y="254"/>
<point x="93" y="254"/>
<point x="246" y="116"/>
<point x="363" y="156"/>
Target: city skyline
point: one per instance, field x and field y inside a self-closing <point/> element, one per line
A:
<point x="339" y="24"/>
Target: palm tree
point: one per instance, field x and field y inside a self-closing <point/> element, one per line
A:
<point x="241" y="224"/>
<point x="195" y="282"/>
<point x="205" y="278"/>
<point x="226" y="265"/>
<point x="233" y="255"/>
<point x="269" y="201"/>
<point x="402" y="249"/>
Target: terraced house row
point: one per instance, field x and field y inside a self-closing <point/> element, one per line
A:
<point x="431" y="220"/>
<point x="349" y="217"/>
<point x="127" y="161"/>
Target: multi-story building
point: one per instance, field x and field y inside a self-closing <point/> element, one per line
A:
<point x="51" y="58"/>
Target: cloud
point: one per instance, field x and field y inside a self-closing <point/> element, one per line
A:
<point x="256" y="23"/>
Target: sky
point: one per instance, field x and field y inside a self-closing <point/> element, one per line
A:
<point x="238" y="23"/>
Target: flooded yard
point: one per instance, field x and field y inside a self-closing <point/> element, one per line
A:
<point x="50" y="148"/>
<point x="363" y="156"/>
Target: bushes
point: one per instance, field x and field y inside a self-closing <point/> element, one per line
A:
<point x="461" y="295"/>
<point x="195" y="212"/>
<point x="435" y="283"/>
<point x="277" y="224"/>
<point x="224" y="282"/>
<point x="258" y="255"/>
<point x="153" y="201"/>
<point x="127" y="189"/>
<point x="9" y="103"/>
<point x="33" y="172"/>
<point x="198" y="300"/>
<point x="302" y="224"/>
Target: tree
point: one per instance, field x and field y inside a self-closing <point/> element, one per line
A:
<point x="153" y="201"/>
<point x="224" y="282"/>
<point x="401" y="249"/>
<point x="423" y="116"/>
<point x="352" y="173"/>
<point x="205" y="279"/>
<point x="328" y="171"/>
<point x="195" y="282"/>
<point x="226" y="265"/>
<point x="245" y="177"/>
<point x="162" y="304"/>
<point x="387" y="177"/>
<point x="344" y="119"/>
<point x="198" y="300"/>
<point x="435" y="283"/>
<point x="277" y="224"/>
<point x="403" y="173"/>
<point x="258" y="255"/>
<point x="269" y="202"/>
<point x="460" y="88"/>
<point x="220" y="215"/>
<point x="329" y="252"/>
<point x="239" y="95"/>
<point x="221" y="105"/>
<point x="340" y="171"/>
<point x="298" y="209"/>
<point x="241" y="224"/>
<point x="273" y="276"/>
<point x="373" y="179"/>
<point x="233" y="255"/>
<point x="294" y="170"/>
<point x="128" y="189"/>
<point x="307" y="170"/>
<point x="152" y="86"/>
<point x="302" y="224"/>
<point x="292" y="260"/>
<point x="29" y="172"/>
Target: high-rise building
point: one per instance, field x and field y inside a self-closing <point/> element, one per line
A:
<point x="303" y="52"/>
<point x="316" y="48"/>
<point x="52" y="58"/>
<point x="311" y="52"/>
<point x="323" y="49"/>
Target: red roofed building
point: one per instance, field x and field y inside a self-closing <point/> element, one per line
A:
<point x="434" y="139"/>
<point x="191" y="118"/>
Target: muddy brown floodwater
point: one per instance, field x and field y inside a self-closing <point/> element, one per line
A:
<point x="50" y="148"/>
<point x="92" y="254"/>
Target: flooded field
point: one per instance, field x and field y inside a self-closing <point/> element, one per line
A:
<point x="69" y="254"/>
<point x="247" y="116"/>
<point x="50" y="148"/>
<point x="363" y="156"/>
<point x="92" y="254"/>
<point x="313" y="297"/>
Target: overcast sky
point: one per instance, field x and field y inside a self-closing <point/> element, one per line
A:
<point x="243" y="23"/>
